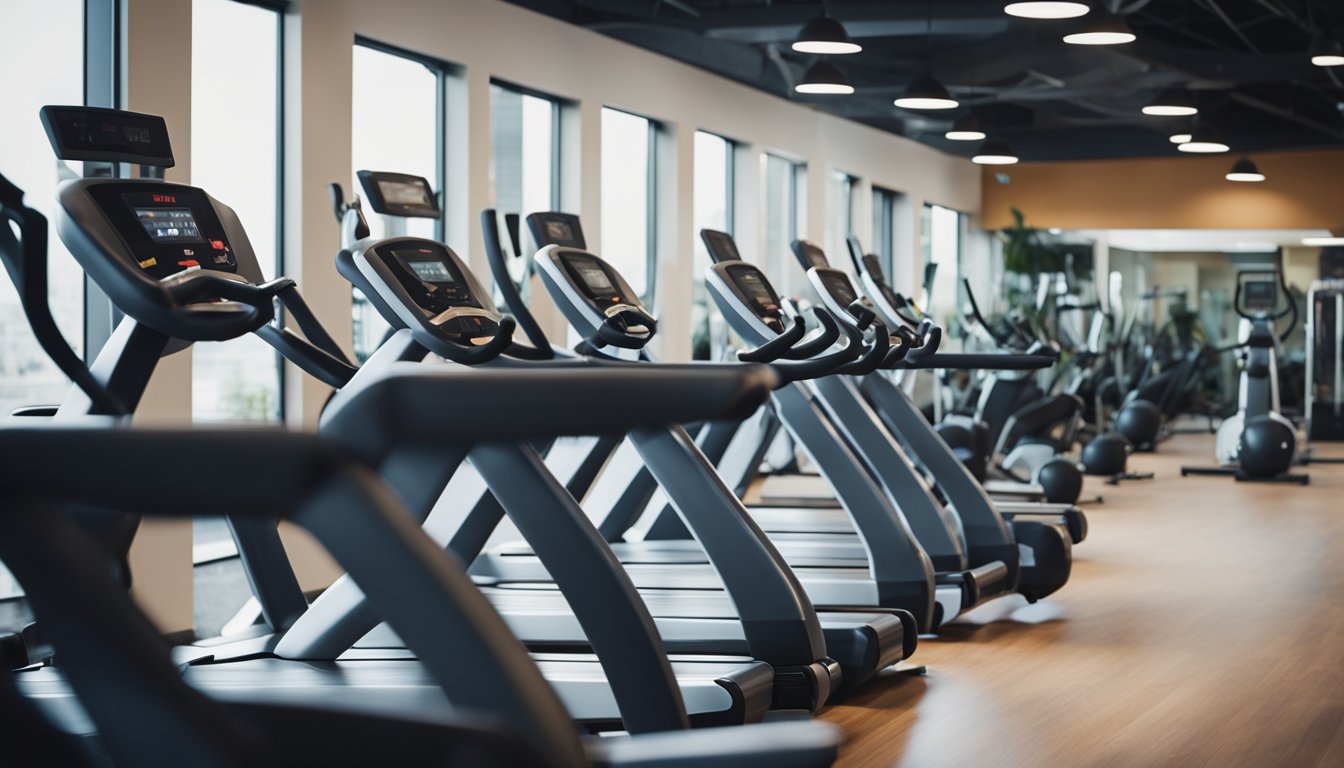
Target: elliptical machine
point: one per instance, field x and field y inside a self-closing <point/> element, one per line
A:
<point x="1258" y="443"/>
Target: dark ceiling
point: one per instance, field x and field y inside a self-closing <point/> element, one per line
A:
<point x="1244" y="60"/>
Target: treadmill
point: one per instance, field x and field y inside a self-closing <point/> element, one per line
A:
<point x="143" y="712"/>
<point x="585" y="287"/>
<point x="748" y="602"/>
<point x="180" y="266"/>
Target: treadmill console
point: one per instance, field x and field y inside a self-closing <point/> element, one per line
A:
<point x="167" y="228"/>
<point x="554" y="228"/>
<point x="754" y="291"/>
<point x="1259" y="292"/>
<point x="428" y="282"/>
<point x="720" y="245"/>
<point x="810" y="255"/>
<point x="399" y="194"/>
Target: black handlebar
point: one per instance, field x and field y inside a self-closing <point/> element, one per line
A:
<point x="777" y="347"/>
<point x="25" y="258"/>
<point x="513" y="299"/>
<point x="830" y="333"/>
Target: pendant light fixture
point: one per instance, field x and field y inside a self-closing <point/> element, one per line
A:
<point x="1179" y="138"/>
<point x="1245" y="170"/>
<point x="826" y="36"/>
<point x="994" y="153"/>
<point x="1173" y="102"/>
<point x="1327" y="53"/>
<point x="1323" y="242"/>
<point x="1204" y="139"/>
<point x="967" y="128"/>
<point x="823" y="77"/>
<point x="1047" y="9"/>
<point x="1103" y="29"/>
<point x="925" y="92"/>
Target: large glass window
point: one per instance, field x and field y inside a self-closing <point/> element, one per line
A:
<point x="941" y="241"/>
<point x="46" y="32"/>
<point x="839" y="218"/>
<point x="396" y="127"/>
<point x="524" y="151"/>
<point x="238" y="160"/>
<point x="883" y="244"/>
<point x="713" y="209"/>
<point x="780" y="192"/>
<point x="628" y="221"/>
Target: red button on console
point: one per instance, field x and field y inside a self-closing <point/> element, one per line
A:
<point x="218" y="245"/>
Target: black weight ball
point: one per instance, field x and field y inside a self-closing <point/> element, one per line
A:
<point x="1139" y="422"/>
<point x="1267" y="447"/>
<point x="1062" y="481"/>
<point x="1106" y="454"/>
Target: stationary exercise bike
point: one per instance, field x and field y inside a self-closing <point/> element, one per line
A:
<point x="1258" y="443"/>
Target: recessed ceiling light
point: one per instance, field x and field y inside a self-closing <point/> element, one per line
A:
<point x="967" y="128"/>
<point x="824" y="35"/>
<point x="994" y="153"/>
<point x="825" y="78"/>
<point x="925" y="92"/>
<point x="1245" y="170"/>
<point x="1323" y="242"/>
<point x="1106" y="29"/>
<point x="1046" y="9"/>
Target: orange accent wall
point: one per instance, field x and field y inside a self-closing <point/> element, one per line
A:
<point x="1302" y="190"/>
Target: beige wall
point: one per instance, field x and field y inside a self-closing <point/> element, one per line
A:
<point x="1301" y="191"/>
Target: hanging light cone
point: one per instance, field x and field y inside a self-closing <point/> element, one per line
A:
<point x="824" y="77"/>
<point x="925" y="92"/>
<point x="1245" y="169"/>
<point x="1047" y="9"/>
<point x="967" y="128"/>
<point x="1173" y="102"/>
<point x="824" y="35"/>
<point x="1204" y="139"/>
<point x="1104" y="29"/>
<point x="1179" y="138"/>
<point x="995" y="153"/>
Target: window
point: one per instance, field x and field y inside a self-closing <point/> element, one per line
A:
<point x="524" y="151"/>
<point x="883" y="244"/>
<point x="713" y="209"/>
<point x="238" y="161"/>
<point x="397" y="126"/>
<point x="780" y="190"/>
<point x="628" y="220"/>
<point x="37" y="32"/>
<point x="840" y="189"/>
<point x="940" y="237"/>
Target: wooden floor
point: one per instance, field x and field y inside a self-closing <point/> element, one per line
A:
<point x="1203" y="626"/>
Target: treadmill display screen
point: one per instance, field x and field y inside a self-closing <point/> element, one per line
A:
<point x="1259" y="295"/>
<point x="753" y="285"/>
<point x="405" y="193"/>
<point x="839" y="287"/>
<point x="431" y="271"/>
<point x="559" y="231"/>
<point x="169" y="225"/>
<point x="595" y="277"/>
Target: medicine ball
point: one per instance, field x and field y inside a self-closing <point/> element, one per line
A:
<point x="1106" y="454"/>
<point x="1140" y="422"/>
<point x="1062" y="481"/>
<point x="1267" y="447"/>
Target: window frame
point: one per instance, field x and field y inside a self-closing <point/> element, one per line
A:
<point x="651" y="230"/>
<point x="558" y="105"/>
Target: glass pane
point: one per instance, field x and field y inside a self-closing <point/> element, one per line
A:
<point x="523" y="152"/>
<point x="839" y="219"/>
<point x="625" y="196"/>
<point x="394" y="128"/>
<point x="780" y="210"/>
<point x="944" y="248"/>
<point x="237" y="161"/>
<point x="713" y="191"/>
<point x="49" y="33"/>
